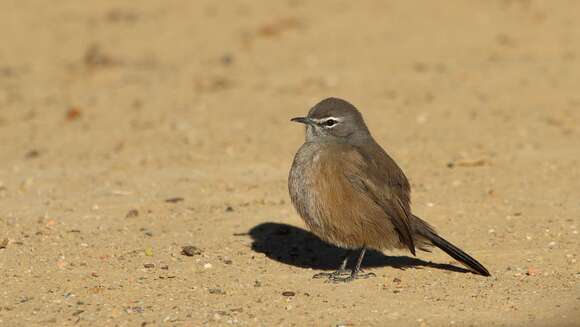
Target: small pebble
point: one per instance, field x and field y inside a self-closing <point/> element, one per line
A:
<point x="78" y="312"/>
<point x="174" y="200"/>
<point x="32" y="154"/>
<point x="190" y="250"/>
<point x="73" y="113"/>
<point x="229" y="209"/>
<point x="288" y="293"/>
<point x="227" y="59"/>
<point x="149" y="265"/>
<point x="216" y="291"/>
<point x="532" y="271"/>
<point x="4" y="243"/>
<point x="132" y="213"/>
<point x="207" y="266"/>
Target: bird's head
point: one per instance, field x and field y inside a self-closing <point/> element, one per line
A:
<point x="334" y="120"/>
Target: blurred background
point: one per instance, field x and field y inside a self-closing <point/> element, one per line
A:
<point x="129" y="129"/>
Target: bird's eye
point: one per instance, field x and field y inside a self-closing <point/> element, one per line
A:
<point x="330" y="123"/>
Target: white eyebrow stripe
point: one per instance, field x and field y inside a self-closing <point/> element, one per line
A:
<point x="322" y="120"/>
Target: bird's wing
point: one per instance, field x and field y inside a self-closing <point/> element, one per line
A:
<point x="382" y="181"/>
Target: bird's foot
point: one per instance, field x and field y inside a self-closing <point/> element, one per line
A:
<point x="350" y="278"/>
<point x="331" y="275"/>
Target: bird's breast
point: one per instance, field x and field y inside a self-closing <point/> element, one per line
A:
<point x="301" y="183"/>
<point x="317" y="190"/>
<point x="331" y="206"/>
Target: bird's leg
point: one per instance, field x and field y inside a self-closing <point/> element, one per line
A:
<point x="355" y="274"/>
<point x="356" y="271"/>
<point x="341" y="271"/>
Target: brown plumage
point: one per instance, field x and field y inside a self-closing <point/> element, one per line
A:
<point x="351" y="193"/>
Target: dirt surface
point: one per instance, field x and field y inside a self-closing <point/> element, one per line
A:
<point x="131" y="129"/>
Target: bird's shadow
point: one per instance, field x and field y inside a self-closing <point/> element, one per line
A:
<point x="300" y="248"/>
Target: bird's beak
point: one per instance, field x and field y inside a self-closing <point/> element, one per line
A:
<point x="302" y="120"/>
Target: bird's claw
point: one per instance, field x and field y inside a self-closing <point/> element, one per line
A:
<point x="331" y="275"/>
<point x="340" y="279"/>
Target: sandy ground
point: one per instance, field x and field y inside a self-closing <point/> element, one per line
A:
<point x="129" y="130"/>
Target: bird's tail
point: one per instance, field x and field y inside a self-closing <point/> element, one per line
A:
<point x="423" y="229"/>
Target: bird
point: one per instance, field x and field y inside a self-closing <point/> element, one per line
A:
<point x="352" y="194"/>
